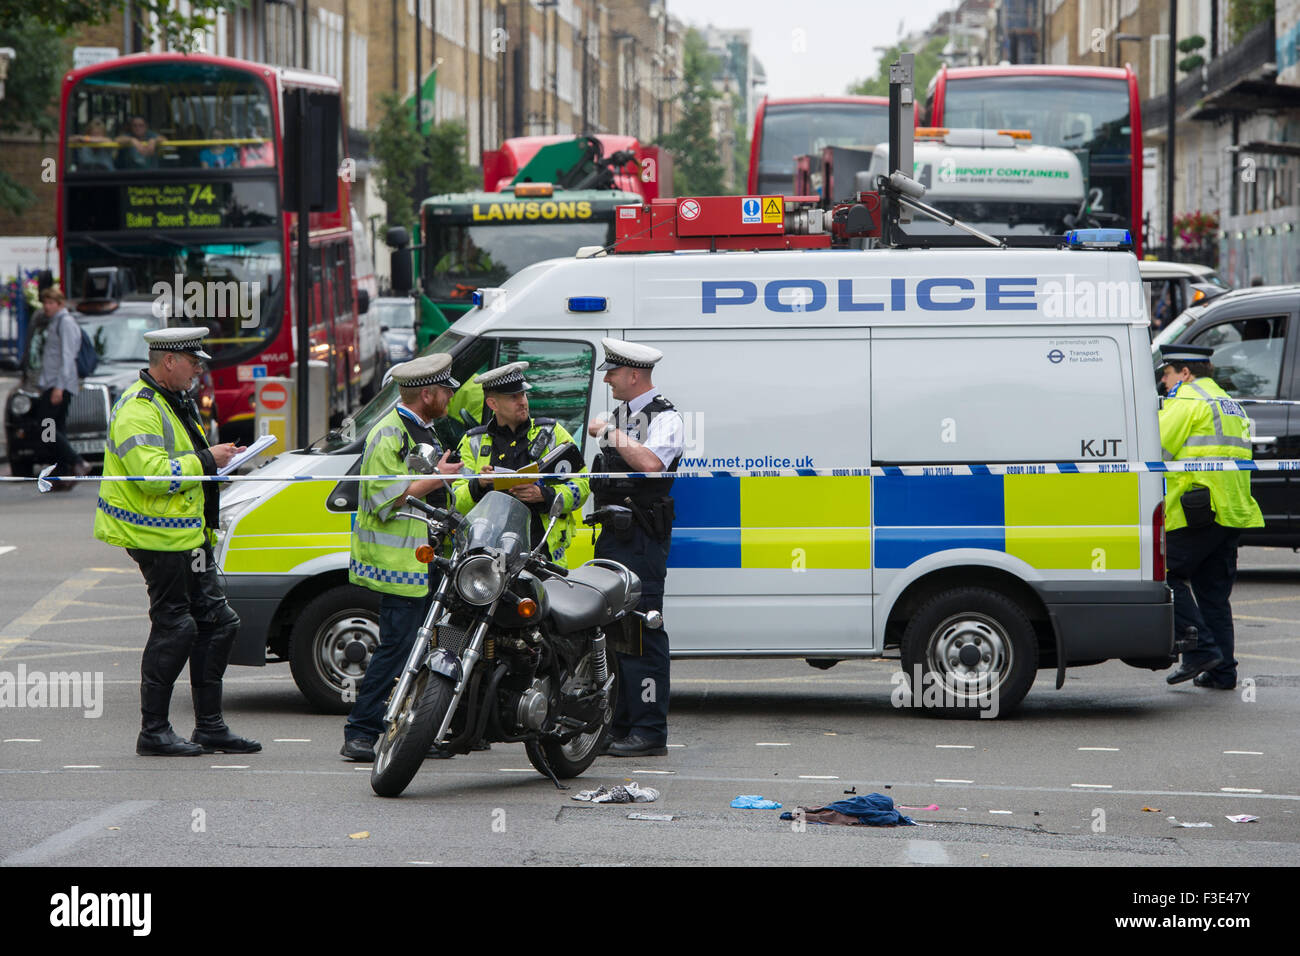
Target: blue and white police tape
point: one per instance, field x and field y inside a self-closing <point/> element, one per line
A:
<point x="874" y="471"/>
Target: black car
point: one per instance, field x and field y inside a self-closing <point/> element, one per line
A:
<point x="118" y="336"/>
<point x="1254" y="335"/>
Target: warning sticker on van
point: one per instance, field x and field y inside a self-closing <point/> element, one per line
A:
<point x="773" y="210"/>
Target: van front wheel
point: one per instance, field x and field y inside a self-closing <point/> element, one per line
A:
<point x="969" y="652"/>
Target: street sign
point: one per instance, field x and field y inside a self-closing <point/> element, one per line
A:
<point x="274" y="396"/>
<point x="90" y="55"/>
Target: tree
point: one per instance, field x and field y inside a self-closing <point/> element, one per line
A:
<point x="924" y="67"/>
<point x="177" y="28"/>
<point x="696" y="170"/>
<point x="445" y="147"/>
<point x="740" y="156"/>
<point x="31" y="89"/>
<point x="396" y="146"/>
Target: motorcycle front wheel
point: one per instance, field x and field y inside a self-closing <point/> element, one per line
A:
<point x="573" y="758"/>
<point x="402" y="747"/>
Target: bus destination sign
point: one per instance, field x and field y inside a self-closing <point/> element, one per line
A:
<point x="174" y="206"/>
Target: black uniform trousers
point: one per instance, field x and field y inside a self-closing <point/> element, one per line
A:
<point x="643" y="681"/>
<point x="1202" y="567"/>
<point x="190" y="620"/>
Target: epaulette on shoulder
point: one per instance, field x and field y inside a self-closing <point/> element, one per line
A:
<point x="145" y="393"/>
<point x="478" y="430"/>
<point x="543" y="422"/>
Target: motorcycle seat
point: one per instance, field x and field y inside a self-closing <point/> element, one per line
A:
<point x="589" y="597"/>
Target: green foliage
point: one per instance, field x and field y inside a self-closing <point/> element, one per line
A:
<point x="924" y="67"/>
<point x="696" y="169"/>
<point x="1244" y="15"/>
<point x="31" y="92"/>
<point x="65" y="16"/>
<point x="445" y="147"/>
<point x="1193" y="62"/>
<point x="396" y="147"/>
<point x="1188" y="44"/>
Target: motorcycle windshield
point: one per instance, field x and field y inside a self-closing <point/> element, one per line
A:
<point x="500" y="522"/>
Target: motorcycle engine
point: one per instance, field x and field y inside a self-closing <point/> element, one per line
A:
<point x="533" y="705"/>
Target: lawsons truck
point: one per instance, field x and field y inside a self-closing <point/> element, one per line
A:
<point x="921" y="449"/>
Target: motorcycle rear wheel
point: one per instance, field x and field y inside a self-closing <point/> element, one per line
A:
<point x="572" y="759"/>
<point x="404" y="743"/>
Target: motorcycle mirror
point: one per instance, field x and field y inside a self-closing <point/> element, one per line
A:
<point x="654" y="620"/>
<point x="422" y="460"/>
<point x="557" y="507"/>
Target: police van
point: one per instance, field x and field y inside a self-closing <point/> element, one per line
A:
<point x="865" y="433"/>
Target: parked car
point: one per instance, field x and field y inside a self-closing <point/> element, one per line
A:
<point x="396" y="317"/>
<point x="118" y="336"/>
<point x="1254" y="335"/>
<point x="1172" y="287"/>
<point x="372" y="350"/>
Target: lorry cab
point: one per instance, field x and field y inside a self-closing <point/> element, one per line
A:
<point x="912" y="448"/>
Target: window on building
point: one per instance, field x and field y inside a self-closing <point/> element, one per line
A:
<point x="357" y="85"/>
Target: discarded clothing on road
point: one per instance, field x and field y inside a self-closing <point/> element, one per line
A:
<point x="868" y="809"/>
<point x="752" y="801"/>
<point x="623" y="794"/>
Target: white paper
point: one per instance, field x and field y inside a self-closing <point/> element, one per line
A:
<point x="252" y="451"/>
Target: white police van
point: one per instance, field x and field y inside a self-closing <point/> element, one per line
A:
<point x="896" y="404"/>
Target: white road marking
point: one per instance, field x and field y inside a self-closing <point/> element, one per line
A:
<point x="7" y="548"/>
<point x="999" y="811"/>
<point x="81" y="766"/>
<point x="1107" y="749"/>
<point x="291" y="740"/>
<point x="1240" y="790"/>
<point x="230" y="766"/>
<point x="925" y="851"/>
<point x="950" y="780"/>
<point x="1251" y="753"/>
<point x="516" y="770"/>
<point x="766" y="744"/>
<point x="954" y="746"/>
<point x="678" y="746"/>
<point x="22" y="740"/>
<point x="57" y="600"/>
<point x="105" y="617"/>
<point x="810" y="776"/>
<point x="1099" y="786"/>
<point x="421" y="863"/>
<point x="66" y="839"/>
<point x="667" y="773"/>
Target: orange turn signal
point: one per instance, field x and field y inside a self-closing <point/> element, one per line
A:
<point x="424" y="554"/>
<point x="527" y="608"/>
<point x="523" y="190"/>
<point x="1198" y="295"/>
<point x="1017" y="133"/>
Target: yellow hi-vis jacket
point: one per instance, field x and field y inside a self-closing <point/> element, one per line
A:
<point x="145" y="437"/>
<point x="383" y="545"/>
<point x="1200" y="421"/>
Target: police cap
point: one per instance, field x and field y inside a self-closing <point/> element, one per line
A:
<point x="628" y="355"/>
<point x="1184" y="353"/>
<point x="178" y="340"/>
<point x="506" y="380"/>
<point x="432" y="369"/>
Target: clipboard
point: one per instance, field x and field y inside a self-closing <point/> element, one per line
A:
<point x="249" y="453"/>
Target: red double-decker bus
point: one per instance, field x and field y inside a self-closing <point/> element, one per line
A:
<point x="172" y="175"/>
<point x="1091" y="110"/>
<point x="803" y="126"/>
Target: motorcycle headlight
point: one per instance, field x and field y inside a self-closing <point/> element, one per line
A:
<point x="22" y="404"/>
<point x="479" y="581"/>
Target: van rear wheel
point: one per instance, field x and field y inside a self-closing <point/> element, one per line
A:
<point x="973" y="651"/>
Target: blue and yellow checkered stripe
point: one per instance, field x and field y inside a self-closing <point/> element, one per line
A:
<point x="1051" y="522"/>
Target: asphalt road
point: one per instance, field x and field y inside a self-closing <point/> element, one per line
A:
<point x="1064" y="781"/>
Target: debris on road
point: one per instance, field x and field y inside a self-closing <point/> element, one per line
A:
<point x="1175" y="822"/>
<point x="752" y="801"/>
<point x="1243" y="818"/>
<point x="872" y="809"/>
<point x="631" y="793"/>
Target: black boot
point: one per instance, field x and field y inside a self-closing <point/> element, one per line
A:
<point x="157" y="739"/>
<point x="210" y="731"/>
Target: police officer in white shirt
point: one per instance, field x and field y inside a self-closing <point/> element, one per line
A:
<point x="645" y="434"/>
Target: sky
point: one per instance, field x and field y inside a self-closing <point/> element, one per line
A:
<point x="838" y="36"/>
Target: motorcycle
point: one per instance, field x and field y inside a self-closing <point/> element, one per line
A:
<point x="512" y="647"/>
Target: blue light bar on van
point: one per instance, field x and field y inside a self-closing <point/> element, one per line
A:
<point x="588" y="303"/>
<point x="477" y="297"/>
<point x="1099" y="239"/>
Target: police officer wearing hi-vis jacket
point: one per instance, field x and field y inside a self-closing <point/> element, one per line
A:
<point x="645" y="434"/>
<point x="1204" y="511"/>
<point x="383" y="544"/>
<point x="166" y="523"/>
<point x="511" y="440"/>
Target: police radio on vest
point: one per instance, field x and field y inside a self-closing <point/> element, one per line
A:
<point x="946" y="294"/>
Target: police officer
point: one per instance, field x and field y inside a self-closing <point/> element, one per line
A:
<point x="645" y="434"/>
<point x="1204" y="511"/>
<point x="166" y="526"/>
<point x="383" y="545"/>
<point x="511" y="440"/>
